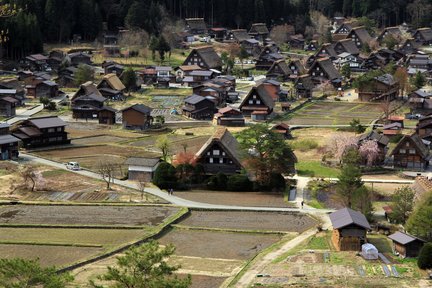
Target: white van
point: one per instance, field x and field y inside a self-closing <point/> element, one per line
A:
<point x="73" y="166"/>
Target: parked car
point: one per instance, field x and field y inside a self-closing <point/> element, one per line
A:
<point x="73" y="166"/>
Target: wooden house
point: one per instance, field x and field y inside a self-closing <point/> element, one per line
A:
<point x="251" y="46"/>
<point x="184" y="70"/>
<point x="326" y="51"/>
<point x="112" y="88"/>
<point x="8" y="143"/>
<point x="229" y="116"/>
<point x="424" y="128"/>
<point x="55" y="59"/>
<point x="411" y="153"/>
<point x="258" y="99"/>
<point x="296" y="41"/>
<point x="349" y="229"/>
<point x="406" y="245"/>
<point x="87" y="106"/>
<point x="409" y="46"/>
<point x="39" y="88"/>
<point x="205" y="57"/>
<point x="107" y="115"/>
<point x="283" y="129"/>
<point x="218" y="33"/>
<point x="345" y="28"/>
<point x="13" y="88"/>
<point x="311" y="46"/>
<point x="196" y="26"/>
<point x="304" y="86"/>
<point x="392" y="130"/>
<point x="296" y="69"/>
<point x="111" y="67"/>
<point x="142" y="169"/>
<point x="360" y="36"/>
<point x="199" y="107"/>
<point x="42" y="131"/>
<point x="8" y="106"/>
<point x="323" y="70"/>
<point x="137" y="117"/>
<point x="347" y="46"/>
<point x="259" y="31"/>
<point x="279" y="70"/>
<point x="36" y="62"/>
<point x="220" y="154"/>
<point x="238" y="35"/>
<point x="423" y="36"/>
<point x="380" y="88"/>
<point x="394" y="32"/>
<point x="78" y="58"/>
<point x="267" y="57"/>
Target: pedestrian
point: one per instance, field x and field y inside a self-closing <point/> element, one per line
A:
<point x="172" y="191"/>
<point x="302" y="203"/>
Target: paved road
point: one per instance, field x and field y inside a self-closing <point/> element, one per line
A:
<point x="26" y="114"/>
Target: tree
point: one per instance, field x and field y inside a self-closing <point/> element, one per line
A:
<point x="129" y="79"/>
<point x="346" y="71"/>
<point x="266" y="152"/>
<point x="162" y="48"/>
<point x="31" y="177"/>
<point x="419" y="80"/>
<point x="153" y="45"/>
<point x="136" y="16"/>
<point x="420" y="221"/>
<point x="165" y="176"/>
<point x="107" y="169"/>
<point x="401" y="76"/>
<point x="369" y="151"/>
<point x="17" y="273"/>
<point x="142" y="185"/>
<point x="243" y="54"/>
<point x="83" y="74"/>
<point x="356" y="126"/>
<point x="339" y="143"/>
<point x="390" y="41"/>
<point x="424" y="260"/>
<point x="144" y="266"/>
<point x="351" y="156"/>
<point x="349" y="182"/>
<point x="403" y="203"/>
<point x="362" y="201"/>
<point x="163" y="144"/>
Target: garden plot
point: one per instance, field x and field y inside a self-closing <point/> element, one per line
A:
<point x="85" y="215"/>
<point x="270" y="221"/>
<point x="222" y="245"/>
<point x="49" y="255"/>
<point x="335" y="113"/>
<point x="97" y="140"/>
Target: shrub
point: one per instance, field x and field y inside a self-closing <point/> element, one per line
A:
<point x="396" y="138"/>
<point x="277" y="182"/>
<point x="304" y="145"/>
<point x="217" y="182"/>
<point x="239" y="183"/>
<point x="425" y="257"/>
<point x="165" y="176"/>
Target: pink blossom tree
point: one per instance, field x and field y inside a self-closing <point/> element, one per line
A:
<point x="369" y="151"/>
<point x="340" y="143"/>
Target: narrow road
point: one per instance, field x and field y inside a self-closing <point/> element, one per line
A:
<point x="26" y="114"/>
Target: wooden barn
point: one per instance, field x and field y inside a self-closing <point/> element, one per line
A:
<point x="349" y="229"/>
<point x="411" y="153"/>
<point x="406" y="245"/>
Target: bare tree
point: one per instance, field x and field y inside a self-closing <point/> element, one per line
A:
<point x="31" y="177"/>
<point x="280" y="33"/>
<point x="386" y="107"/>
<point x="107" y="169"/>
<point x="142" y="185"/>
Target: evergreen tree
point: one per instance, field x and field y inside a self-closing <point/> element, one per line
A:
<point x="136" y="16"/>
<point x="419" y="80"/>
<point x="162" y="48"/>
<point x="259" y="11"/>
<point x="129" y="79"/>
<point x="420" y="221"/>
<point x="425" y="257"/>
<point x="402" y="206"/>
<point x="83" y="74"/>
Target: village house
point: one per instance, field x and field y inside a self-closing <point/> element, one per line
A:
<point x="107" y="115"/>
<point x="7" y="106"/>
<point x="411" y="153"/>
<point x="296" y="41"/>
<point x="218" y="33"/>
<point x="304" y="86"/>
<point x="352" y="61"/>
<point x="345" y="28"/>
<point x="137" y="117"/>
<point x="392" y="130"/>
<point x="311" y="46"/>
<point x="42" y="131"/>
<point x="66" y="77"/>
<point x="55" y="59"/>
<point x="424" y="128"/>
<point x="326" y="51"/>
<point x="421" y="186"/>
<point x="184" y="70"/>
<point x="87" y="106"/>
<point x="349" y="229"/>
<point x="112" y="88"/>
<point x="423" y="36"/>
<point x="13" y="88"/>
<point x="36" y="62"/>
<point x="196" y="26"/>
<point x="279" y="71"/>
<point x="142" y="169"/>
<point x="380" y="88"/>
<point x="323" y="70"/>
<point x="409" y="46"/>
<point x="229" y="116"/>
<point x="111" y="67"/>
<point x="8" y="143"/>
<point x="220" y="154"/>
<point x="406" y="245"/>
<point x="258" y="103"/>
<point x="205" y="57"/>
<point x="419" y="62"/>
<point x="259" y="31"/>
<point x="199" y="107"/>
<point x="394" y="32"/>
<point x="346" y="46"/>
<point x="111" y="46"/>
<point x="360" y="36"/>
<point x="267" y="57"/>
<point x="39" y="88"/>
<point x="283" y="129"/>
<point x="238" y="35"/>
<point x="221" y="89"/>
<point x="251" y="46"/>
<point x="296" y="69"/>
<point x="273" y="88"/>
<point x="78" y="58"/>
<point x="382" y="57"/>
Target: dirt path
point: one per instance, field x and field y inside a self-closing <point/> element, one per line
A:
<point x="247" y="278"/>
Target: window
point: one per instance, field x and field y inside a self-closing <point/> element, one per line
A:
<point x="407" y="144"/>
<point x="51" y="130"/>
<point x="250" y="101"/>
<point x="216" y="152"/>
<point x="223" y="153"/>
<point x="321" y="74"/>
<point x="208" y="153"/>
<point x="402" y="151"/>
<point x="210" y="160"/>
<point x="258" y="102"/>
<point x="412" y="151"/>
<point x="59" y="129"/>
<point x="254" y="96"/>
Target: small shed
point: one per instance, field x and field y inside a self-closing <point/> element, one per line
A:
<point x="406" y="245"/>
<point x="369" y="252"/>
<point x="142" y="168"/>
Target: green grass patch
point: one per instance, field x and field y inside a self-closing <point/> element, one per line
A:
<point x="53" y="173"/>
<point x="401" y="270"/>
<point x="315" y="169"/>
<point x="382" y="243"/>
<point x="319" y="243"/>
<point x="304" y="144"/>
<point x="315" y="204"/>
